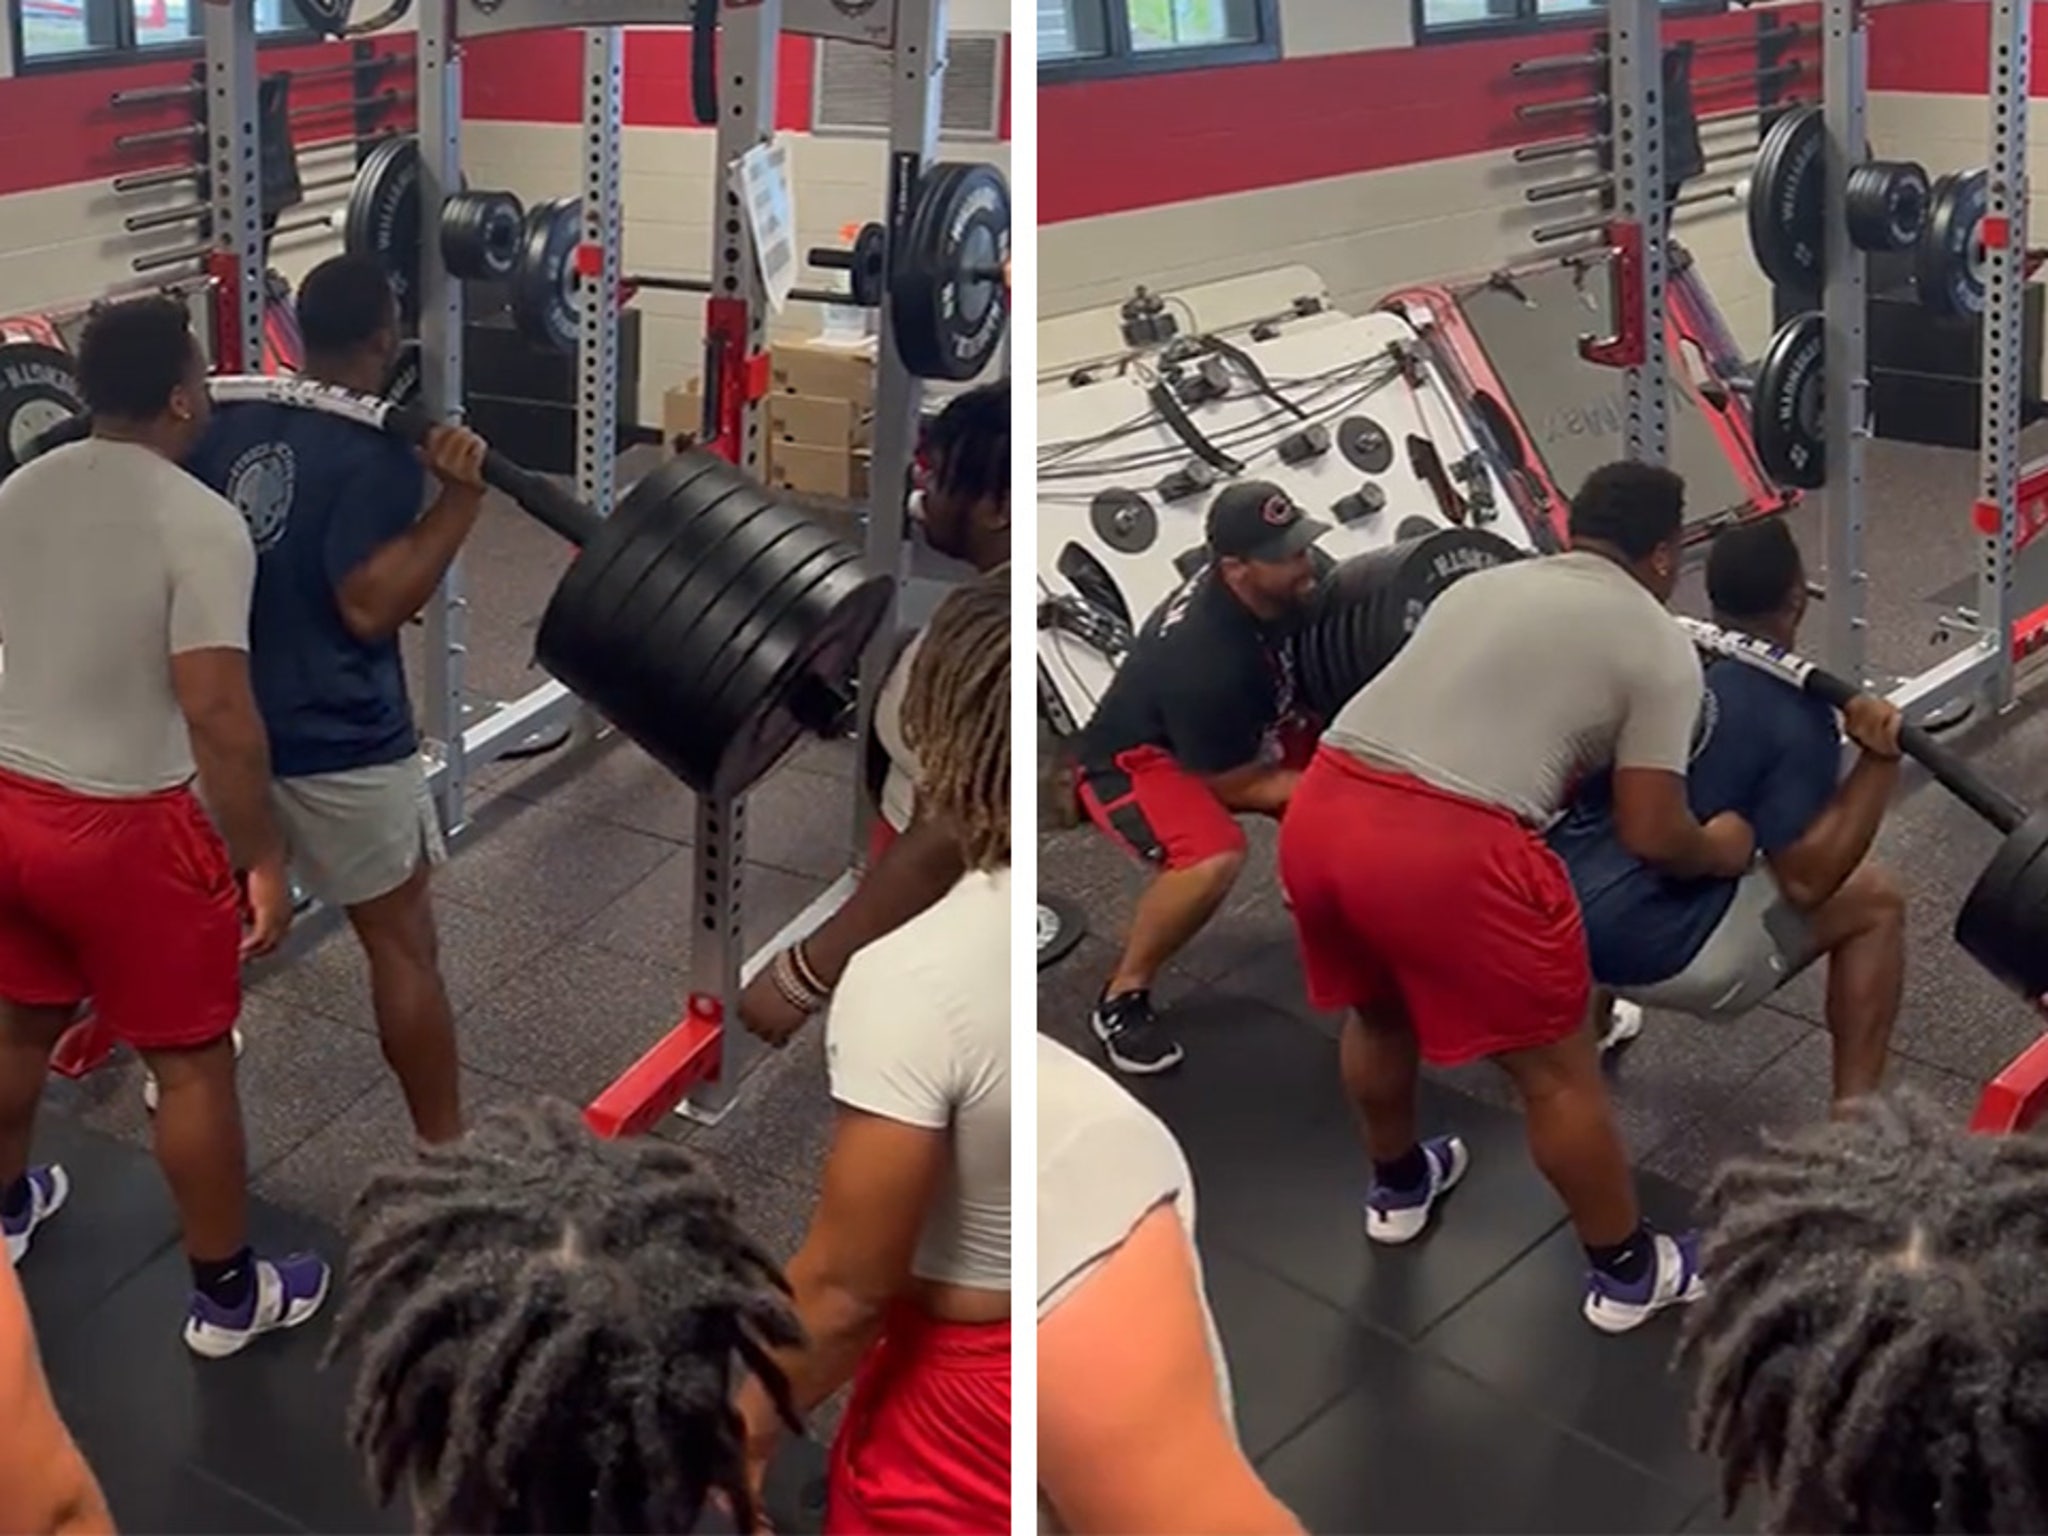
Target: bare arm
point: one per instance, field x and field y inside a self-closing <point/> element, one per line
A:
<point x="880" y="1178"/>
<point x="1654" y="821"/>
<point x="45" y="1485"/>
<point x="914" y="871"/>
<point x="379" y="596"/>
<point x="230" y="750"/>
<point x="1132" y="1438"/>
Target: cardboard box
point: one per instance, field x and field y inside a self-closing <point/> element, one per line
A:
<point x="823" y="372"/>
<point x="839" y="425"/>
<point x="819" y="423"/>
<point x="837" y="472"/>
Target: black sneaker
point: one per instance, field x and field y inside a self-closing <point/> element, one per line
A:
<point x="1132" y="1035"/>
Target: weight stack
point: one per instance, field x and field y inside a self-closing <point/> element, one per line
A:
<point x="1926" y="369"/>
<point x="521" y="394"/>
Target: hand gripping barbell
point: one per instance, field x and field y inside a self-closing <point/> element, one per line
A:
<point x="708" y="620"/>
<point x="2003" y="924"/>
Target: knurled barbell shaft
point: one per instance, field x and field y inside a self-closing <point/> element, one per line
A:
<point x="383" y="100"/>
<point x="703" y="285"/>
<point x="194" y="252"/>
<point x="164" y="218"/>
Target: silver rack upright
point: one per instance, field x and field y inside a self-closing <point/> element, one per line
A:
<point x="1635" y="104"/>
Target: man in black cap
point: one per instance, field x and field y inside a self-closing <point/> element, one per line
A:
<point x="1199" y="727"/>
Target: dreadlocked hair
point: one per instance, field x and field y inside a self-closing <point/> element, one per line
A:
<point x="1872" y="1348"/>
<point x="956" y="718"/>
<point x="548" y="1325"/>
<point x="970" y="445"/>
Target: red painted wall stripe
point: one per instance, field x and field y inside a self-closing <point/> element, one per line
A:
<point x="58" y="128"/>
<point x="1211" y="133"/>
<point x="537" y="77"/>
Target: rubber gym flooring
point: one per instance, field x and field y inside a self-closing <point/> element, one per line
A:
<point x="565" y="939"/>
<point x="1452" y="1386"/>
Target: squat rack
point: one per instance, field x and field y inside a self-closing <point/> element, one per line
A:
<point x="698" y="1066"/>
<point x="1638" y="235"/>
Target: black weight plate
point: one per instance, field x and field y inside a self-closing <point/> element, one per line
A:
<point x="1887" y="205"/>
<point x="590" y="594"/>
<point x="1788" y="406"/>
<point x="383" y="218"/>
<point x="1061" y="926"/>
<point x="403" y="387"/>
<point x="844" y="611"/>
<point x="1366" y="608"/>
<point x="1365" y="444"/>
<point x="2003" y="924"/>
<point x="1785" y="195"/>
<point x="746" y="688"/>
<point x="482" y="235"/>
<point x="38" y="391"/>
<point x="759" y="599"/>
<point x="1949" y="262"/>
<point x="869" y="275"/>
<point x="544" y="284"/>
<point x="1124" y="520"/>
<point x="948" y="323"/>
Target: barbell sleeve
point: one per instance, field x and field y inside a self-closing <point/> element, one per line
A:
<point x="1954" y="775"/>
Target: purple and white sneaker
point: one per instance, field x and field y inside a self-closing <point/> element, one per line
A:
<point x="287" y="1292"/>
<point x="1672" y="1281"/>
<point x="1400" y="1215"/>
<point x="48" y="1188"/>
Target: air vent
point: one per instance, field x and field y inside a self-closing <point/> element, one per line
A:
<point x="853" y="87"/>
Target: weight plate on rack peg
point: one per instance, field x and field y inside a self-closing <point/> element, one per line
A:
<point x="1950" y="261"/>
<point x="482" y="235"/>
<point x="950" y="304"/>
<point x="383" y="218"/>
<point x="1785" y="194"/>
<point x="1788" y="407"/>
<point x="544" y="285"/>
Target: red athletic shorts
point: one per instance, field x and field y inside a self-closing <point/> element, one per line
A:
<point x="924" y="1449"/>
<point x="1158" y="810"/>
<point x="1456" y="908"/>
<point x="130" y="902"/>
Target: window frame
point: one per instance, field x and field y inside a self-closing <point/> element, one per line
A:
<point x="1528" y="20"/>
<point x="125" y="51"/>
<point x="1119" y="60"/>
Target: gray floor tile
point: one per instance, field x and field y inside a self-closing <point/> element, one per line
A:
<point x="783" y="1122"/>
<point x="651" y="921"/>
<point x="800" y="822"/>
<point x="573" y="1020"/>
<point x="549" y="867"/>
<point x="479" y="949"/>
<point x="322" y="1176"/>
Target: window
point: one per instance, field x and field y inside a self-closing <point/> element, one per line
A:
<point x="1113" y="37"/>
<point x="69" y="31"/>
<point x="854" y="83"/>
<point x="1450" y="18"/>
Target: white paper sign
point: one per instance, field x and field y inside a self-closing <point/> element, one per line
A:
<point x="763" y="187"/>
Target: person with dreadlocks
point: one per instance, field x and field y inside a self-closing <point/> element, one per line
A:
<point x="1873" y="1353"/>
<point x="546" y="1326"/>
<point x="964" y="510"/>
<point x="903" y="1280"/>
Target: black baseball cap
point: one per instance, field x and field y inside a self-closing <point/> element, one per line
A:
<point x="1256" y="520"/>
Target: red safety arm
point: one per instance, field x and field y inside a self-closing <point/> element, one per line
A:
<point x="1628" y="346"/>
<point x="2014" y="1100"/>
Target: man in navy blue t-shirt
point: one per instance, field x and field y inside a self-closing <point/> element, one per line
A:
<point x="1771" y="754"/>
<point x="345" y="558"/>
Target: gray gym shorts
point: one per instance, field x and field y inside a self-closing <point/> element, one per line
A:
<point x="1761" y="942"/>
<point x="362" y="833"/>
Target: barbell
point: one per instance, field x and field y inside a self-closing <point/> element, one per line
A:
<point x="1367" y="606"/>
<point x="708" y="620"/>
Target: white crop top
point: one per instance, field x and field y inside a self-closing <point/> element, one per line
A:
<point x="919" y="1033"/>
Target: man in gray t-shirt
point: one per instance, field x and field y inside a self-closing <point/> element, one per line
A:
<point x="1430" y="908"/>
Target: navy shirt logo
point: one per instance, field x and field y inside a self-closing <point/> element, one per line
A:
<point x="261" y="483"/>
